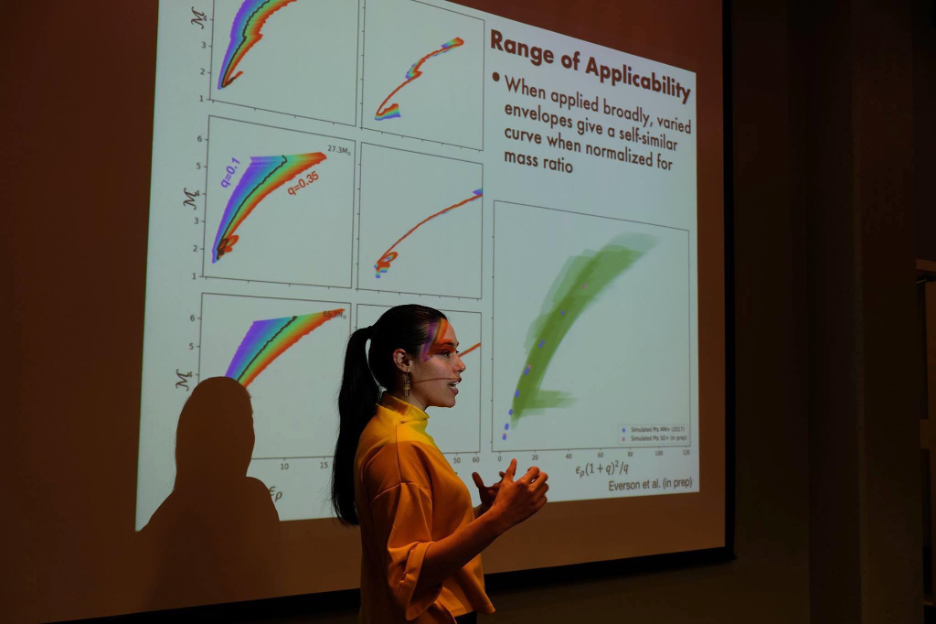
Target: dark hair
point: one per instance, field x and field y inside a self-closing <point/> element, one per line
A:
<point x="402" y="327"/>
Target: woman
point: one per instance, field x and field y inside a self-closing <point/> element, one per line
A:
<point x="421" y="539"/>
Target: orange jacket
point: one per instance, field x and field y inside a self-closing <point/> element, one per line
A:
<point x="408" y="496"/>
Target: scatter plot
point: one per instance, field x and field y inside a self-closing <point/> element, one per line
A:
<point x="387" y="257"/>
<point x="270" y="345"/>
<point x="423" y="73"/>
<point x="392" y="111"/>
<point x="268" y="339"/>
<point x="420" y="233"/>
<point x="246" y="33"/>
<point x="607" y="339"/>
<point x="263" y="175"/>
<point x="603" y="267"/>
<point x="281" y="55"/>
<point x="277" y="204"/>
<point x="456" y="429"/>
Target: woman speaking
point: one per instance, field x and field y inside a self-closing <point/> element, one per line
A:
<point x="420" y="537"/>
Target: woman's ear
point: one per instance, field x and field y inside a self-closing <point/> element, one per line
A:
<point x="402" y="360"/>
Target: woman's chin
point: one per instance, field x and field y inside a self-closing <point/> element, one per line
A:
<point x="447" y="402"/>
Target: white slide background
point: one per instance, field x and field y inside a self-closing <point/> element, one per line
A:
<point x="313" y="83"/>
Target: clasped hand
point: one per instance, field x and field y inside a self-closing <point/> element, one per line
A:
<point x="513" y="500"/>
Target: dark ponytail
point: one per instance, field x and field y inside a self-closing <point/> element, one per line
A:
<point x="402" y="327"/>
<point x="357" y="401"/>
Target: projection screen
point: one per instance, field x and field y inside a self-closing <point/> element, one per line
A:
<point x="553" y="182"/>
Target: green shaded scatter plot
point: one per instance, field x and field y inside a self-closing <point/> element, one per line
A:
<point x="580" y="283"/>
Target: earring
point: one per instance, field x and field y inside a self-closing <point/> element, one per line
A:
<point x="406" y="384"/>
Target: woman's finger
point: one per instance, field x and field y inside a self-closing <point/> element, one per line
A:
<point x="511" y="469"/>
<point x="477" y="480"/>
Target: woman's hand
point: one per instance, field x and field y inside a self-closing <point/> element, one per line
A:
<point x="515" y="501"/>
<point x="487" y="493"/>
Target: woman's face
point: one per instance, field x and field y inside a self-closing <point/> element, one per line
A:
<point x="436" y="371"/>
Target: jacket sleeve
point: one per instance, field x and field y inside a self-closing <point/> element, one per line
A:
<point x="402" y="518"/>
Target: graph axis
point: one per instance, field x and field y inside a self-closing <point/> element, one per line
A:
<point x="494" y="325"/>
<point x="480" y="393"/>
<point x="362" y="28"/>
<point x="566" y="449"/>
<point x="260" y="281"/>
<point x="205" y="217"/>
<point x="357" y="72"/>
<point x="201" y="313"/>
<point x="406" y="136"/>
<point x="358" y="65"/>
<point x="357" y="283"/>
<point x="689" y="329"/>
<point x="586" y="214"/>
<point x="493" y="314"/>
<point x="294" y="115"/>
<point x="416" y="138"/>
<point x="291" y="457"/>
<point x="211" y="54"/>
<point x="403" y="292"/>
<point x="320" y="457"/>
<point x="418" y="153"/>
<point x="205" y="196"/>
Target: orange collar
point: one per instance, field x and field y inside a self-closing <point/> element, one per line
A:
<point x="408" y="411"/>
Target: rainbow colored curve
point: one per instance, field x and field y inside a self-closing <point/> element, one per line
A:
<point x="580" y="283"/>
<point x="245" y="34"/>
<point x="435" y="332"/>
<point x="264" y="175"/>
<point x="393" y="111"/>
<point x="389" y="256"/>
<point x="469" y="350"/>
<point x="267" y="340"/>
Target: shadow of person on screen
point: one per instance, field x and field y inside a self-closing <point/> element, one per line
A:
<point x="216" y="538"/>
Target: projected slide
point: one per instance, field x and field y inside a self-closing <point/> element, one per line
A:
<point x="262" y="176"/>
<point x="277" y="203"/>
<point x="362" y="154"/>
<point x="423" y="72"/>
<point x="458" y="429"/>
<point x="268" y="339"/>
<point x="431" y="242"/>
<point x="281" y="55"/>
<point x="592" y="331"/>
<point x="272" y="346"/>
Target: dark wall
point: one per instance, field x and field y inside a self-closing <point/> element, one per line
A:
<point x="924" y="120"/>
<point x="858" y="174"/>
<point x="76" y="141"/>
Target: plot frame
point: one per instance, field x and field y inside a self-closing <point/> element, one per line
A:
<point x="617" y="445"/>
